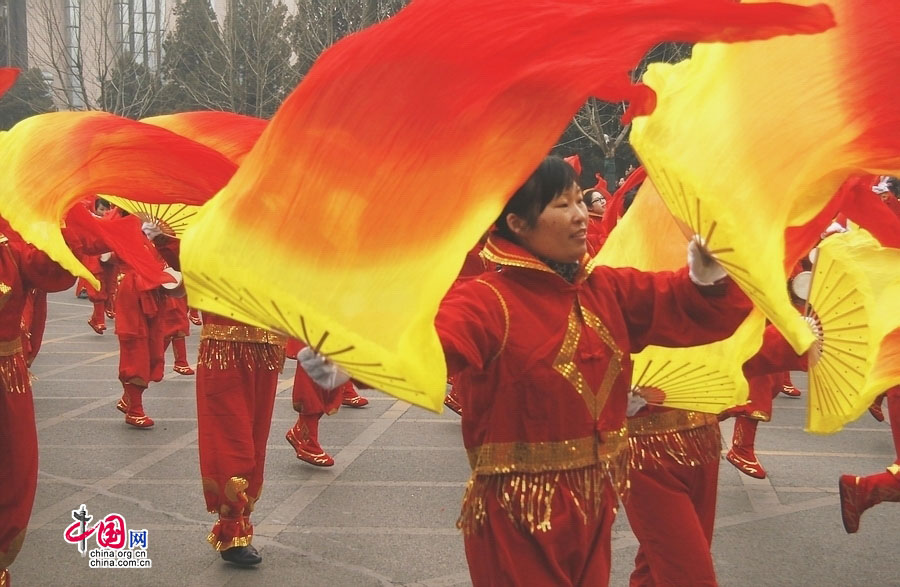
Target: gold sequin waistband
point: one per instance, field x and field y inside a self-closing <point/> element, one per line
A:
<point x="9" y="348"/>
<point x="241" y="333"/>
<point x="536" y="457"/>
<point x="670" y="421"/>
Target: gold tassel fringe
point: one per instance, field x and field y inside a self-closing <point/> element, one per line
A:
<point x="224" y="354"/>
<point x="527" y="498"/>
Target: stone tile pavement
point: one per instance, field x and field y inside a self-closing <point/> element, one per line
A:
<point x="384" y="515"/>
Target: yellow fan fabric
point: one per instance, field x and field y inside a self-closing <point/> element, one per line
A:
<point x="350" y="218"/>
<point x="706" y="378"/>
<point x="51" y="161"/>
<point x="748" y="139"/>
<point x="854" y="311"/>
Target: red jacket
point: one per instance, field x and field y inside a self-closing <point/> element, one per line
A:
<point x="546" y="365"/>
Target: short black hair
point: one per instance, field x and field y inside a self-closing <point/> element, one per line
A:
<point x="552" y="177"/>
<point x="893" y="185"/>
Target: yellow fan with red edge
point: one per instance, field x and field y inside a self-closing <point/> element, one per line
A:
<point x="705" y="378"/>
<point x="854" y="313"/>
<point x="232" y="135"/>
<point x="748" y="139"/>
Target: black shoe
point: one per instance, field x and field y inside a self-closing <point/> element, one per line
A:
<point x="243" y="556"/>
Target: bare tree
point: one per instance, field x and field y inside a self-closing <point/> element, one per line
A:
<point x="91" y="50"/>
<point x="599" y="123"/>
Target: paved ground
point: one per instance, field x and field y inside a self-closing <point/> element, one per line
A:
<point x="385" y="513"/>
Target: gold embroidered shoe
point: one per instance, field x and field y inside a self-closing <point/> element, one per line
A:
<point x="746" y="462"/>
<point x="139" y="420"/>
<point x="98" y="327"/>
<point x="122" y="404"/>
<point x="790" y="391"/>
<point x="306" y="452"/>
<point x="183" y="369"/>
<point x="352" y="399"/>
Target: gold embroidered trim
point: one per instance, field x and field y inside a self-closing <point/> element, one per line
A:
<point x="527" y="498"/>
<point x="224" y="354"/>
<point x="498" y="458"/>
<point x="669" y="421"/>
<point x="505" y="317"/>
<point x="564" y="363"/>
<point x="495" y="255"/>
<point x="9" y="348"/>
<point x="230" y="533"/>
<point x="690" y="447"/>
<point x="241" y="333"/>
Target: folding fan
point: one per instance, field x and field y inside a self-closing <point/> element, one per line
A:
<point x="749" y="139"/>
<point x="172" y="219"/>
<point x="706" y="378"/>
<point x="854" y="313"/>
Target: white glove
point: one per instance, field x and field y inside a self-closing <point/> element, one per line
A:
<point x="323" y="372"/>
<point x="833" y="228"/>
<point x="704" y="269"/>
<point x="105" y="257"/>
<point x="151" y="229"/>
<point x="635" y="403"/>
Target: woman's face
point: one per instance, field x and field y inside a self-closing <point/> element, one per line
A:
<point x="560" y="232"/>
<point x="598" y="203"/>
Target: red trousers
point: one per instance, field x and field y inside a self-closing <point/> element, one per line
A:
<point x="18" y="456"/>
<point x="672" y="511"/>
<point x="571" y="552"/>
<point x="141" y="360"/>
<point x="311" y="400"/>
<point x="234" y="413"/>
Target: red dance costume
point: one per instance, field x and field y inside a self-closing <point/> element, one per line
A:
<point x="541" y="501"/>
<point x="174" y="321"/>
<point x="860" y="493"/>
<point x="22" y="268"/>
<point x="139" y="305"/>
<point x="237" y="376"/>
<point x="311" y="402"/>
<point x="671" y="502"/>
<point x="764" y="373"/>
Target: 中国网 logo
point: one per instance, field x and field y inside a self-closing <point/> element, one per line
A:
<point x="116" y="546"/>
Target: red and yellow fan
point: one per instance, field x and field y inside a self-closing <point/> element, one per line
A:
<point x="332" y="231"/>
<point x="232" y="135"/>
<point x="749" y="139"/>
<point x="853" y="312"/>
<point x="706" y="378"/>
<point x="51" y="161"/>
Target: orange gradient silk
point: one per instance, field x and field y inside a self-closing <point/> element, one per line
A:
<point x="232" y="135"/>
<point x="705" y="378"/>
<point x="752" y="138"/>
<point x="353" y="213"/>
<point x="50" y="161"/>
